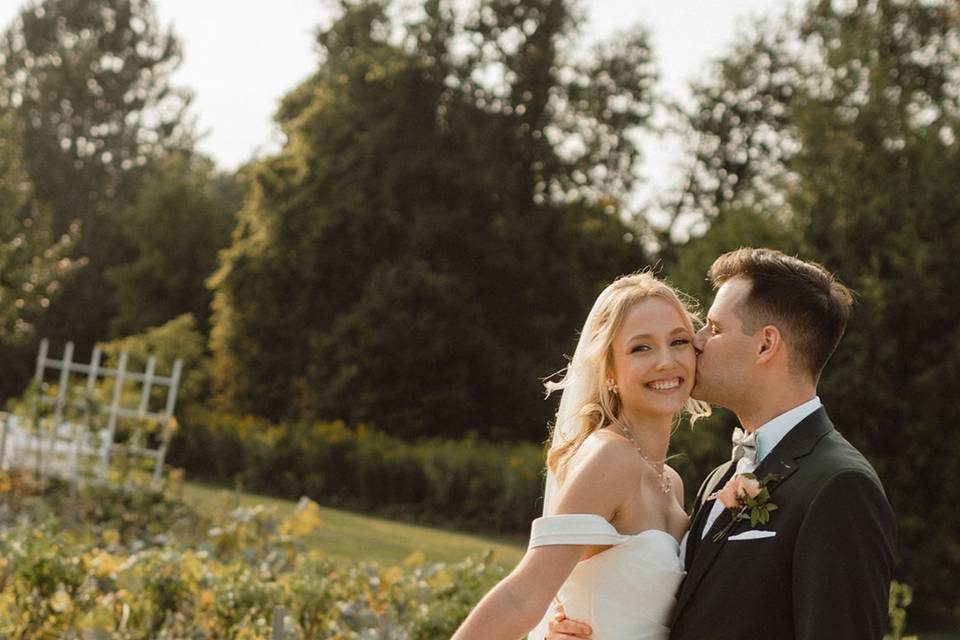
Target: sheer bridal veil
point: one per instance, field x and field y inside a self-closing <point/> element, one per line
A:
<point x="576" y="387"/>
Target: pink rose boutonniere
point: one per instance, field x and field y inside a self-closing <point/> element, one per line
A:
<point x="747" y="498"/>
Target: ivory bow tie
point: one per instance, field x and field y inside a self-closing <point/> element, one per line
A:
<point x="744" y="446"/>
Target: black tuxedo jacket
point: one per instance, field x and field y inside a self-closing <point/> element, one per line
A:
<point x="823" y="575"/>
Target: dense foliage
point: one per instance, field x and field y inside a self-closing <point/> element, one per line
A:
<point x="124" y="566"/>
<point x="181" y="219"/>
<point x="468" y="483"/>
<point x="88" y="85"/>
<point x="34" y="263"/>
<point x="420" y="253"/>
<point x="835" y="136"/>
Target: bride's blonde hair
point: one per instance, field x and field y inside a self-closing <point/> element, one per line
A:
<point x="594" y="405"/>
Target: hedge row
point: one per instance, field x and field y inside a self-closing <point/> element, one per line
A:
<point x="492" y="486"/>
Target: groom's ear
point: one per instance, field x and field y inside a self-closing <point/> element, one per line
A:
<point x="770" y="344"/>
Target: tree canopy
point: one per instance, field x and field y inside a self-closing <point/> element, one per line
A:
<point x="862" y="103"/>
<point x="88" y="86"/>
<point x="421" y="252"/>
<point x="34" y="264"/>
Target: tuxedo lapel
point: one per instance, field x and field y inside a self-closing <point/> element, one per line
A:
<point x="706" y="553"/>
<point x="720" y="475"/>
<point x="783" y="461"/>
<point x="801" y="440"/>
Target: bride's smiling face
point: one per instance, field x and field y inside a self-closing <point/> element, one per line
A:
<point x="653" y="360"/>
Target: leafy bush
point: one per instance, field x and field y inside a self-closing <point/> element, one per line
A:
<point x="493" y="486"/>
<point x="66" y="577"/>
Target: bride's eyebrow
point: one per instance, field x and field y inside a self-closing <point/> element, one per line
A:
<point x="647" y="336"/>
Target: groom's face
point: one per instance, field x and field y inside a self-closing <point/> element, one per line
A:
<point x="725" y="353"/>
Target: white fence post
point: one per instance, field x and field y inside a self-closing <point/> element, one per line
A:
<point x="107" y="445"/>
<point x="63" y="386"/>
<point x="88" y="416"/>
<point x="35" y="404"/>
<point x="167" y="415"/>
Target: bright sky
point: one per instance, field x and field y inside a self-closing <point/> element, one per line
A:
<point x="242" y="56"/>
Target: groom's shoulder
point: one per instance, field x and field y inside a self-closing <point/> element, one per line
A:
<point x="834" y="455"/>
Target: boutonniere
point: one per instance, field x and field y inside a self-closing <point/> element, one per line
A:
<point x="747" y="498"/>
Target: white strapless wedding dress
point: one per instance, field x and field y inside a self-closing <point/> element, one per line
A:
<point x="626" y="592"/>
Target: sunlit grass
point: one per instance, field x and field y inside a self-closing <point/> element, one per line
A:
<point x="358" y="537"/>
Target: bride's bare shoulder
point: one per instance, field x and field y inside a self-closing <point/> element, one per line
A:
<point x="606" y="459"/>
<point x="607" y="447"/>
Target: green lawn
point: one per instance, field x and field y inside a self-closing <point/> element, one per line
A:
<point x="359" y="537"/>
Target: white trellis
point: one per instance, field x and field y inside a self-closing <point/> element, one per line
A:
<point x="55" y="446"/>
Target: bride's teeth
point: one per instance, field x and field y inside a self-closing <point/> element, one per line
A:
<point x="663" y="386"/>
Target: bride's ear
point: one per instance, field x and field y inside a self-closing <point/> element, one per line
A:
<point x="612" y="386"/>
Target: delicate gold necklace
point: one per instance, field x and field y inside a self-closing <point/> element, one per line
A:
<point x="665" y="484"/>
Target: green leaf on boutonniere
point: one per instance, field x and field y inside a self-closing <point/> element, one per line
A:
<point x="756" y="508"/>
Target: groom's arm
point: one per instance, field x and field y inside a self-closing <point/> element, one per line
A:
<point x="843" y="561"/>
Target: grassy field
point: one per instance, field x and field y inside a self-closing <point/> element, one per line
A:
<point x="359" y="537"/>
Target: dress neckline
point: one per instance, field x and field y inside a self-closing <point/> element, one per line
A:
<point x="606" y="523"/>
<point x="666" y="533"/>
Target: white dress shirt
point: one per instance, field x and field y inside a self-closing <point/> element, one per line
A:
<point x="769" y="435"/>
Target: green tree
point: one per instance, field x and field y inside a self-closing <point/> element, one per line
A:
<point x="865" y="107"/>
<point x="177" y="339"/>
<point x="740" y="134"/>
<point x="880" y="204"/>
<point x="181" y="219"/>
<point x="33" y="263"/>
<point x="89" y="86"/>
<point x="423" y="249"/>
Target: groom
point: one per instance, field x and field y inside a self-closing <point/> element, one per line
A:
<point x="821" y="567"/>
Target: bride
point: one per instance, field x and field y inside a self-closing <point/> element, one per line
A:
<point x="607" y="546"/>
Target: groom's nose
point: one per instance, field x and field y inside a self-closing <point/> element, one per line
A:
<point x="698" y="340"/>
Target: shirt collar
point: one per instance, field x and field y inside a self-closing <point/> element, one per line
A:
<point x="770" y="433"/>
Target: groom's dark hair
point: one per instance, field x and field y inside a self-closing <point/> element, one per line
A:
<point x="802" y="299"/>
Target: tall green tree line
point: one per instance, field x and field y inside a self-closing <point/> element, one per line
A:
<point x="420" y="253"/>
<point x="834" y="135"/>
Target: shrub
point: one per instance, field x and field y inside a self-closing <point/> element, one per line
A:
<point x="471" y="483"/>
<point x="68" y="578"/>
